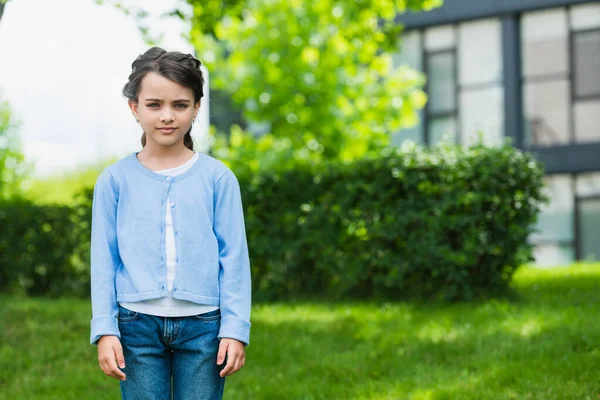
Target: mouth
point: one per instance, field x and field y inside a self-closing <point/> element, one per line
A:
<point x="167" y="130"/>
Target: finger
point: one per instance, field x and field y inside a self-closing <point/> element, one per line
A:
<point x="222" y="351"/>
<point x="103" y="367"/>
<point x="233" y="361"/>
<point x="238" y="364"/>
<point x="227" y="370"/>
<point x="116" y="373"/>
<point x="113" y="370"/>
<point x="229" y="367"/>
<point x="119" y="355"/>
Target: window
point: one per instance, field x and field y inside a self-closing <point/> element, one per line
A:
<point x="440" y="68"/>
<point x="547" y="112"/>
<point x="544" y="44"/>
<point x="481" y="93"/>
<point x="463" y="66"/>
<point x="546" y="88"/>
<point x="585" y="16"/>
<point x="588" y="212"/>
<point x="586" y="47"/>
<point x="482" y="112"/>
<point x="587" y="120"/>
<point x="554" y="237"/>
<point x="441" y="89"/>
<point x="587" y="189"/>
<point x="588" y="184"/>
<point x="410" y="54"/>
<point x="586" y="85"/>
<point x="480" y="52"/>
<point x="561" y="90"/>
<point x="442" y="84"/>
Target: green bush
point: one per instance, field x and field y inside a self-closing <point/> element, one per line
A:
<point x="44" y="249"/>
<point x="446" y="223"/>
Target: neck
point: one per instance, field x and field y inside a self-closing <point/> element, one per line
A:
<point x="156" y="157"/>
<point x="177" y="150"/>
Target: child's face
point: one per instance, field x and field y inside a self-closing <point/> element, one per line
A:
<point x="165" y="110"/>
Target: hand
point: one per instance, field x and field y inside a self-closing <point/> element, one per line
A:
<point x="236" y="356"/>
<point x="110" y="353"/>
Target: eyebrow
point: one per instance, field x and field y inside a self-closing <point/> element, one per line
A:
<point x="174" y="101"/>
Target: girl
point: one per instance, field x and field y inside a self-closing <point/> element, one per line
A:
<point x="169" y="259"/>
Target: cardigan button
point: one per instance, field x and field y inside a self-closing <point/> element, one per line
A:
<point x="172" y="204"/>
<point x="168" y="179"/>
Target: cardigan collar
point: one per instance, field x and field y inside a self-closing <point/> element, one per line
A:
<point x="138" y="166"/>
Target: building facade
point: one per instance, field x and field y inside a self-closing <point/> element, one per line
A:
<point x="528" y="70"/>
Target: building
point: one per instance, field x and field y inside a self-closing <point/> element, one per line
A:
<point x="528" y="70"/>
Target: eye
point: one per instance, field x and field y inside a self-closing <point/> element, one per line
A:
<point x="152" y="105"/>
<point x="182" y="105"/>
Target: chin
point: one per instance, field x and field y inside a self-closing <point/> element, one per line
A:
<point x="168" y="141"/>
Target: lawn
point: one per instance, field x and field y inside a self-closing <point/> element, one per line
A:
<point x="543" y="345"/>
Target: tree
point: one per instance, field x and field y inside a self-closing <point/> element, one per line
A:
<point x="2" y="4"/>
<point x="318" y="76"/>
<point x="320" y="73"/>
<point x="13" y="168"/>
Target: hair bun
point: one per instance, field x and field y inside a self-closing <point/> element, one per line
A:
<point x="151" y="54"/>
<point x="196" y="61"/>
<point x="190" y="60"/>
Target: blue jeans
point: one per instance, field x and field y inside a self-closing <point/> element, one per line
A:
<point x="167" y="356"/>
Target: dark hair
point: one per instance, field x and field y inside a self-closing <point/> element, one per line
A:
<point x="178" y="67"/>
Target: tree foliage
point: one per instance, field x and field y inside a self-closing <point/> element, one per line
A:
<point x="12" y="165"/>
<point x="2" y="2"/>
<point x="319" y="73"/>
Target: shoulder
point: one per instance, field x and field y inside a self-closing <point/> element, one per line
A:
<point x="109" y="176"/>
<point x="218" y="169"/>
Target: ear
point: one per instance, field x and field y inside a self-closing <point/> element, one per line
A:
<point x="133" y="105"/>
<point x="197" y="107"/>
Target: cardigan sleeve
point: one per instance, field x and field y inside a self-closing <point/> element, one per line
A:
<point x="234" y="263"/>
<point x="104" y="258"/>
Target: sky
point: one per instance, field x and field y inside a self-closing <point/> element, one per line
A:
<point x="62" y="68"/>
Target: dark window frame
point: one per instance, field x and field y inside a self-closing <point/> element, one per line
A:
<point x="432" y="115"/>
<point x="458" y="87"/>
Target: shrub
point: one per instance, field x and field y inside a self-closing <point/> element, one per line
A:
<point x="44" y="249"/>
<point x="446" y="223"/>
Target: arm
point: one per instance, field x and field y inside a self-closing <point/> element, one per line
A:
<point x="234" y="272"/>
<point x="105" y="258"/>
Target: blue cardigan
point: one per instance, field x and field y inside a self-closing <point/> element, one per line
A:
<point x="128" y="242"/>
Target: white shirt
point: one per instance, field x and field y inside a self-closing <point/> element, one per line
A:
<point x="168" y="306"/>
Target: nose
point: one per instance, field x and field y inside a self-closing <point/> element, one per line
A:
<point x="167" y="116"/>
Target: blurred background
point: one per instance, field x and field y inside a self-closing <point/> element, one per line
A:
<point x="421" y="182"/>
<point x="526" y="71"/>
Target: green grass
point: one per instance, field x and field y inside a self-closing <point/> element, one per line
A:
<point x="544" y="345"/>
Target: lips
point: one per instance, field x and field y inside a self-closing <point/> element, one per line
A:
<point x="167" y="130"/>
